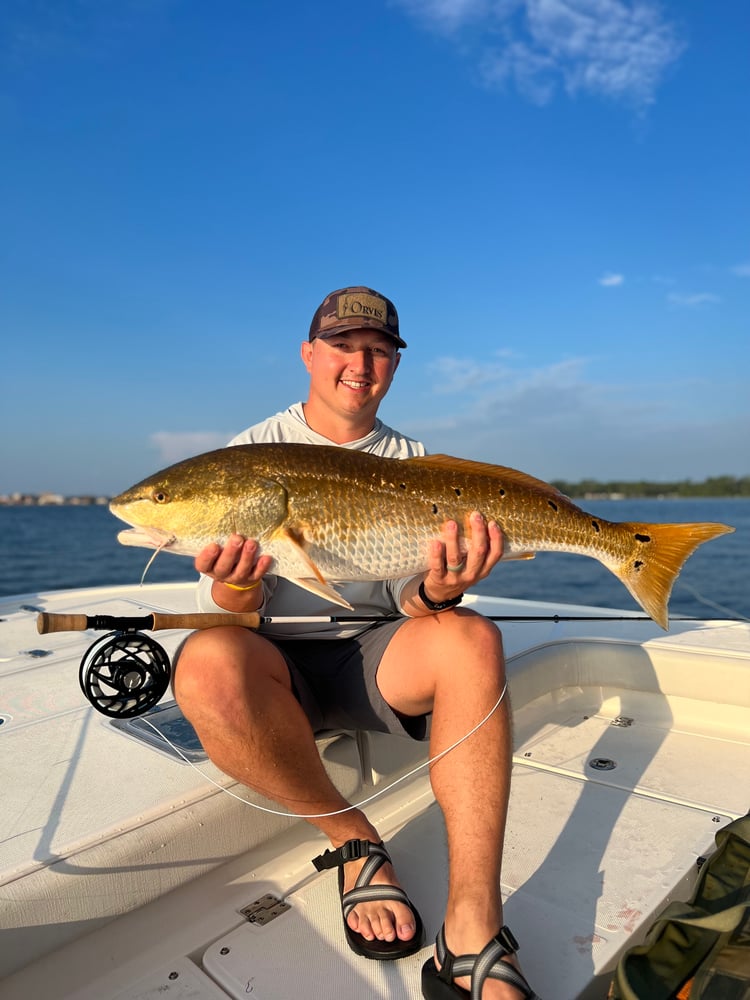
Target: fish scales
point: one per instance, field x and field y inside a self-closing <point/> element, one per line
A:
<point x="329" y="514"/>
<point x="357" y="521"/>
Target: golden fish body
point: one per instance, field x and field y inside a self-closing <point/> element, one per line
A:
<point x="329" y="514"/>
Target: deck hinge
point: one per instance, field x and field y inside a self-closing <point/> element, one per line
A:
<point x="264" y="910"/>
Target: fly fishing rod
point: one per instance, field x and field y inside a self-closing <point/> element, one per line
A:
<point x="51" y="622"/>
<point x="127" y="672"/>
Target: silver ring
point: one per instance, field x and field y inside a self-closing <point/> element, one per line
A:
<point x="456" y="569"/>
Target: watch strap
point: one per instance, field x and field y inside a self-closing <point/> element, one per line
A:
<point x="437" y="605"/>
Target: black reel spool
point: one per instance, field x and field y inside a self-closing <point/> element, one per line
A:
<point x="124" y="674"/>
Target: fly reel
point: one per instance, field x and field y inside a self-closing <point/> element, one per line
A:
<point x="124" y="674"/>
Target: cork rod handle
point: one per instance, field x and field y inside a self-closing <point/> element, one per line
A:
<point x="50" y="622"/>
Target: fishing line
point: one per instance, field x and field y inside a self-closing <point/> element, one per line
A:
<point x="356" y="805"/>
<point x="157" y="550"/>
<point x="711" y="604"/>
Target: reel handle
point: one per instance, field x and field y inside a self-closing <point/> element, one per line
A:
<point x="48" y="621"/>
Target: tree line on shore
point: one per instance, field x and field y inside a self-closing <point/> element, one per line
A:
<point x="714" y="486"/>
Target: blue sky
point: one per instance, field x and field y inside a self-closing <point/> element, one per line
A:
<point x="553" y="192"/>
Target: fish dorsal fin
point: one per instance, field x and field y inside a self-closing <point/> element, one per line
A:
<point x="447" y="463"/>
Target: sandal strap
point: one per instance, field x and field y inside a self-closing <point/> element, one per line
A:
<point x="362" y="892"/>
<point x="488" y="964"/>
<point x="353" y="850"/>
<point x="368" y="893"/>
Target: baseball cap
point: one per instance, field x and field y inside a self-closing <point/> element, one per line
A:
<point x="355" y="308"/>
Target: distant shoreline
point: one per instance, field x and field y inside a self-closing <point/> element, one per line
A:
<point x="51" y="500"/>
<point x="714" y="486"/>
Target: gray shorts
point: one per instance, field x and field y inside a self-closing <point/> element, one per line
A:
<point x="335" y="682"/>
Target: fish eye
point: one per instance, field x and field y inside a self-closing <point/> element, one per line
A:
<point x="159" y="496"/>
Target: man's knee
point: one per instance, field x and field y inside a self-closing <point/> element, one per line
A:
<point x="473" y="633"/>
<point x="458" y="643"/>
<point x="223" y="664"/>
<point x="206" y="661"/>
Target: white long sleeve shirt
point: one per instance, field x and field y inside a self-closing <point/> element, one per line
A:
<point x="281" y="597"/>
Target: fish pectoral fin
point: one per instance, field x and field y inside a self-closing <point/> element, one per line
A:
<point x="324" y="590"/>
<point x="299" y="568"/>
<point x="289" y="549"/>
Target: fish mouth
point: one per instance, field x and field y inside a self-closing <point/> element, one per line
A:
<point x="149" y="538"/>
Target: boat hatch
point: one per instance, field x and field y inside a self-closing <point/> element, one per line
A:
<point x="165" y="720"/>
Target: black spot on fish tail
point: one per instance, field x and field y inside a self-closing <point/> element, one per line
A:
<point x="457" y="491"/>
<point x="595" y="526"/>
<point x="553" y="505"/>
<point x="502" y="493"/>
<point x="434" y="508"/>
<point x="650" y="581"/>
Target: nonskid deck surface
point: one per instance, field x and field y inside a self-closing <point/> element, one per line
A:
<point x="555" y="901"/>
<point x="586" y="865"/>
<point x="599" y="710"/>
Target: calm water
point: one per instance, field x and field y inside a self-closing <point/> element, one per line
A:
<point x="54" y="548"/>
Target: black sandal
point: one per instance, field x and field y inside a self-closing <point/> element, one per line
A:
<point x="437" y="984"/>
<point x="377" y="856"/>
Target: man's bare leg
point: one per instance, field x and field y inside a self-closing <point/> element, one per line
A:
<point x="453" y="662"/>
<point x="235" y="689"/>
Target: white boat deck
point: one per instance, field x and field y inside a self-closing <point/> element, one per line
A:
<point x="123" y="871"/>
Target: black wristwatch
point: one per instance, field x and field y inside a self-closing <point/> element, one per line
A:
<point x="437" y="605"/>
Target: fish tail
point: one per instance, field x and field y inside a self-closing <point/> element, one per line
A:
<point x="656" y="554"/>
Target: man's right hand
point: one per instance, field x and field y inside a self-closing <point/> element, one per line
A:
<point x="238" y="567"/>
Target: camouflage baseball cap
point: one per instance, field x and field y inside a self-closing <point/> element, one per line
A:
<point x="355" y="308"/>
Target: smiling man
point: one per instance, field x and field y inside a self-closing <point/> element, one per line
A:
<point x="257" y="699"/>
<point x="351" y="354"/>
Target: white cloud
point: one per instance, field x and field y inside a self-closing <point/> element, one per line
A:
<point x="454" y="375"/>
<point x="557" y="422"/>
<point x="618" y="49"/>
<point x="742" y="270"/>
<point x="448" y="15"/>
<point x="610" y="280"/>
<point x="691" y="300"/>
<point x="173" y="446"/>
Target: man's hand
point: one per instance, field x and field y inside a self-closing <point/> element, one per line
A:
<point x="238" y="568"/>
<point x="453" y="570"/>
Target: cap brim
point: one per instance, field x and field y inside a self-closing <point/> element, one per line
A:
<point x="365" y="326"/>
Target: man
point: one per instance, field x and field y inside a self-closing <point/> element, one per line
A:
<point x="256" y="699"/>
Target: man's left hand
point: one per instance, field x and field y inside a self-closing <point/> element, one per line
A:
<point x="456" y="564"/>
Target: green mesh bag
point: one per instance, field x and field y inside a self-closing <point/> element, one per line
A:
<point x="700" y="949"/>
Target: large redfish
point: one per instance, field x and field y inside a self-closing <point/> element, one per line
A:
<point x="329" y="514"/>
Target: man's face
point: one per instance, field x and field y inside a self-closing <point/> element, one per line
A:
<point x="352" y="370"/>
